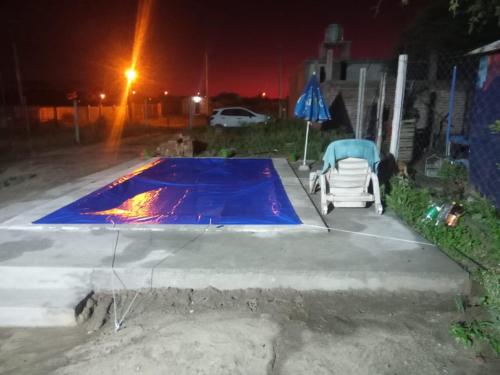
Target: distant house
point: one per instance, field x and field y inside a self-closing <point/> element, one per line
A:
<point x="426" y="99"/>
<point x="338" y="75"/>
<point x="484" y="159"/>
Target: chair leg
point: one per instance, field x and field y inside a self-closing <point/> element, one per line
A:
<point x="376" y="192"/>
<point x="324" y="201"/>
<point x="313" y="181"/>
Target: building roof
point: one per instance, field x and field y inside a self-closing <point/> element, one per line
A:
<point x="492" y="47"/>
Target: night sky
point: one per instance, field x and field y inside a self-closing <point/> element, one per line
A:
<point x="86" y="45"/>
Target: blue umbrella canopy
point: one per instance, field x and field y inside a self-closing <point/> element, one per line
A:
<point x="311" y="105"/>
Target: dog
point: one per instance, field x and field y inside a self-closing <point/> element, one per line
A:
<point x="402" y="169"/>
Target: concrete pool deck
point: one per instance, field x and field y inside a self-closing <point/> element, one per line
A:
<point x="45" y="272"/>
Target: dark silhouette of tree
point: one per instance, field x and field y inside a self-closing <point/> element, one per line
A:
<point x="478" y="13"/>
<point x="435" y="29"/>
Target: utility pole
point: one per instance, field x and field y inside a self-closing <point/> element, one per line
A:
<point x="206" y="74"/>
<point x="207" y="96"/>
<point x="3" y="113"/>
<point x="75" y="120"/>
<point x="280" y="84"/>
<point x="190" y="109"/>
<point x="22" y="99"/>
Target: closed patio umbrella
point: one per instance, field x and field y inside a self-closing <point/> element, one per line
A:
<point x="311" y="107"/>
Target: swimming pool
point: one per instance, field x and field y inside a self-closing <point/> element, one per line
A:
<point x="186" y="191"/>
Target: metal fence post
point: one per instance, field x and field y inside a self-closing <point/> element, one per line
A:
<point x="380" y="110"/>
<point x="361" y="103"/>
<point x="75" y="120"/>
<point x="451" y="106"/>
<point x="398" y="104"/>
<point x="190" y="109"/>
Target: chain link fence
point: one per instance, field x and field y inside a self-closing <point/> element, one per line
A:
<point x="433" y="101"/>
<point x="450" y="111"/>
<point x="451" y="104"/>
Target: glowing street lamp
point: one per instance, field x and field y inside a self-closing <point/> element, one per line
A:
<point x="194" y="100"/>
<point x="165" y="92"/>
<point x="131" y="75"/>
<point x="133" y="92"/>
<point x="102" y="96"/>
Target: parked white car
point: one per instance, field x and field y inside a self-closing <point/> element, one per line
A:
<point x="235" y="117"/>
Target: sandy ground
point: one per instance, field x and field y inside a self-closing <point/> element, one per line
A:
<point x="23" y="179"/>
<point x="232" y="332"/>
<point x="175" y="331"/>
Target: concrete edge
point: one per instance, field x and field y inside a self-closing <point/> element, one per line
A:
<point x="137" y="278"/>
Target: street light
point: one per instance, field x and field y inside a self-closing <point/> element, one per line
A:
<point x="194" y="100"/>
<point x="165" y="92"/>
<point x="131" y="75"/>
<point x="102" y="96"/>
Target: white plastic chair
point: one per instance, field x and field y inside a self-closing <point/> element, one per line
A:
<point x="347" y="185"/>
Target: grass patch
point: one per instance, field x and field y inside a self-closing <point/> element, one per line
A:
<point x="474" y="243"/>
<point x="284" y="138"/>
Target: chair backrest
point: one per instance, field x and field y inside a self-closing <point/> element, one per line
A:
<point x="353" y="166"/>
<point x="350" y="173"/>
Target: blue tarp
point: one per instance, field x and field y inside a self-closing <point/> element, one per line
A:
<point x="484" y="159"/>
<point x="186" y="191"/>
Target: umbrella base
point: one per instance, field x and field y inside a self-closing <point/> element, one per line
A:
<point x="304" y="167"/>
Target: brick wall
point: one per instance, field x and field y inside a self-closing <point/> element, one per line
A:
<point x="441" y="90"/>
<point x="420" y="101"/>
<point x="349" y="91"/>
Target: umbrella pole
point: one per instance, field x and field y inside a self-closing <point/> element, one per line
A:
<point x="304" y="166"/>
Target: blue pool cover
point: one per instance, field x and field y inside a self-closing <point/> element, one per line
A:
<point x="186" y="191"/>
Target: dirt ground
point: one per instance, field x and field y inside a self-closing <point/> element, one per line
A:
<point x="228" y="332"/>
<point x="250" y="332"/>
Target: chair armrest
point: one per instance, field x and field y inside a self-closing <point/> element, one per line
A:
<point x="324" y="192"/>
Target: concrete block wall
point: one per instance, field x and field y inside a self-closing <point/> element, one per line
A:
<point x="90" y="114"/>
<point x="349" y="91"/>
<point x="441" y="89"/>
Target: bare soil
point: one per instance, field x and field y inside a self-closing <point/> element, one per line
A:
<point x="250" y="332"/>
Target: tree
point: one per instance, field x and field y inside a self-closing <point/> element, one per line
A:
<point x="435" y="29"/>
<point x="479" y="13"/>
